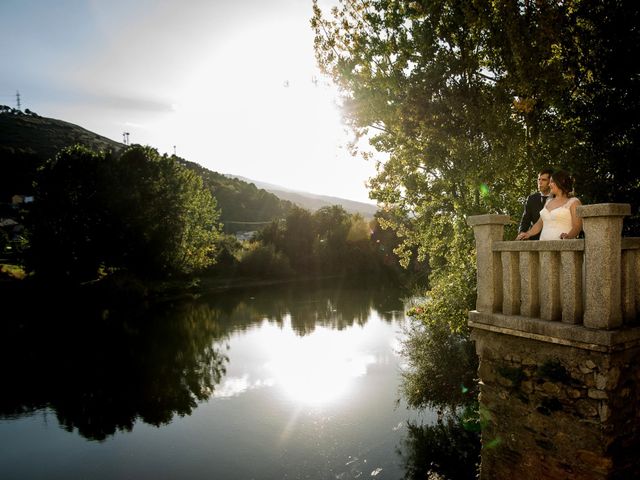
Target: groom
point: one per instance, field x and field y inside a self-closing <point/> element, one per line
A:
<point x="536" y="202"/>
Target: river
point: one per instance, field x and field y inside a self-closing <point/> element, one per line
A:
<point x="297" y="381"/>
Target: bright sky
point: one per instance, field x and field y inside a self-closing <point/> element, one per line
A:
<point x="229" y="83"/>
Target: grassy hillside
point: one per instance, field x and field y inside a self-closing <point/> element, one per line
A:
<point x="46" y="136"/>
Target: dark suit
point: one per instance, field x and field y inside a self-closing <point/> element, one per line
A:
<point x="531" y="213"/>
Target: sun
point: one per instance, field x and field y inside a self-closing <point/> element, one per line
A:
<point x="252" y="108"/>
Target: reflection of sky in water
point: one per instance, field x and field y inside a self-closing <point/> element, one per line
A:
<point x="314" y="369"/>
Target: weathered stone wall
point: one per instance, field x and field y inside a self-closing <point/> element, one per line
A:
<point x="556" y="411"/>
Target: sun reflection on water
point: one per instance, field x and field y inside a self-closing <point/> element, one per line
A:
<point x="318" y="368"/>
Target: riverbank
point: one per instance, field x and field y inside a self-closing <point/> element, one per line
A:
<point x="17" y="289"/>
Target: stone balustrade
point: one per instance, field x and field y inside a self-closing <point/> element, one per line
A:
<point x="592" y="282"/>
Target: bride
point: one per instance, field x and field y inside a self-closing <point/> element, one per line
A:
<point x="558" y="219"/>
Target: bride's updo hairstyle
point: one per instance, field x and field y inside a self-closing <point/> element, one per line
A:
<point x="563" y="181"/>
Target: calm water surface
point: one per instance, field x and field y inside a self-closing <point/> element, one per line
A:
<point x="272" y="383"/>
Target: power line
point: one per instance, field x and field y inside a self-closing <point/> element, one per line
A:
<point x="18" y="100"/>
<point x="246" y="223"/>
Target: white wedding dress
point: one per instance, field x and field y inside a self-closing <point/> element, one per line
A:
<point x="556" y="221"/>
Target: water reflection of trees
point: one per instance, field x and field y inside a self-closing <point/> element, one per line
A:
<point x="441" y="375"/>
<point x="449" y="449"/>
<point x="333" y="304"/>
<point x="101" y="372"/>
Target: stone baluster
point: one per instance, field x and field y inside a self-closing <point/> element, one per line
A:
<point x="488" y="229"/>
<point x="549" y="285"/>
<point x="602" y="224"/>
<point x="529" y="277"/>
<point x="510" y="283"/>
<point x="571" y="286"/>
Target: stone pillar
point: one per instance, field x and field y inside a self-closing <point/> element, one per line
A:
<point x="602" y="224"/>
<point x="488" y="229"/>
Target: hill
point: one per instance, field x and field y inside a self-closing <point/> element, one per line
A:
<point x="27" y="140"/>
<point x="31" y="133"/>
<point x="243" y="206"/>
<point x="312" y="201"/>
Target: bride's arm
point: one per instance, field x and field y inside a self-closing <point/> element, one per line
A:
<point x="532" y="231"/>
<point x="576" y="221"/>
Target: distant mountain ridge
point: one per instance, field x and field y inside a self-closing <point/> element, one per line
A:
<point x="312" y="201"/>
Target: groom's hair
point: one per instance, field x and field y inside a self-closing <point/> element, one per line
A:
<point x="546" y="171"/>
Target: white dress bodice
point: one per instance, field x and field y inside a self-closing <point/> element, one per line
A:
<point x="556" y="221"/>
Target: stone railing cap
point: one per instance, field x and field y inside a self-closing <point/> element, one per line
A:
<point x="604" y="210"/>
<point x="488" y="219"/>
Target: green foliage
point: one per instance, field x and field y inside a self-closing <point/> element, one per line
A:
<point x="137" y="211"/>
<point x="298" y="240"/>
<point x="229" y="249"/>
<point x="467" y="100"/>
<point x="175" y="228"/>
<point x="332" y="226"/>
<point x="27" y="141"/>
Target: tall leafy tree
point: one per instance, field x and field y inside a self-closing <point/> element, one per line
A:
<point x="166" y="222"/>
<point x="137" y="211"/>
<point x="468" y="99"/>
<point x="68" y="221"/>
<point x="332" y="225"/>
